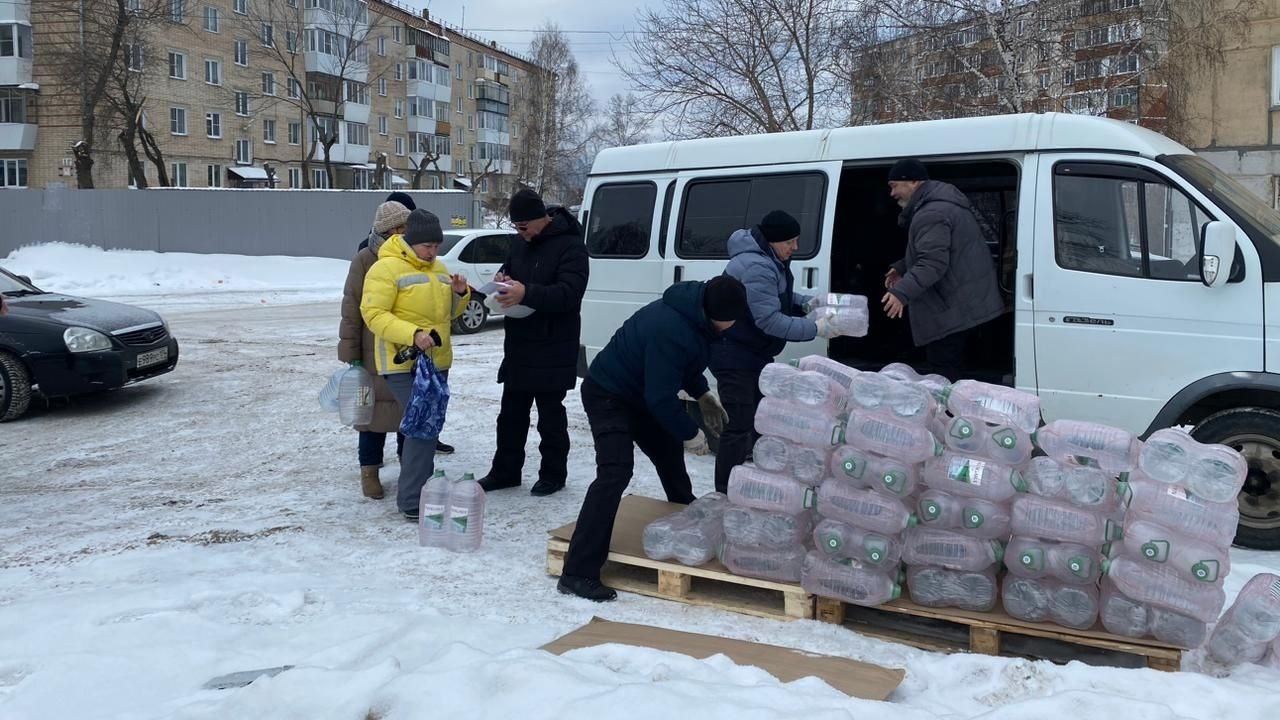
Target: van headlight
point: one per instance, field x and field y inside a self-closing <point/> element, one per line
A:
<point x="79" y="340"/>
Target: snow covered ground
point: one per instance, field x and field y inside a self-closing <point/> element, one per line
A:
<point x="210" y="521"/>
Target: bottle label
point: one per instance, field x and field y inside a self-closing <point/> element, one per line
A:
<point x="433" y="517"/>
<point x="968" y="471"/>
<point x="1275" y="589"/>
<point x="459" y="516"/>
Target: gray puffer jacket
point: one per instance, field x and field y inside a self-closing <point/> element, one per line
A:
<point x="948" y="277"/>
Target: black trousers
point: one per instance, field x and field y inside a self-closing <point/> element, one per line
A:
<point x="946" y="355"/>
<point x="740" y="395"/>
<point x="513" y="432"/>
<point x="617" y="427"/>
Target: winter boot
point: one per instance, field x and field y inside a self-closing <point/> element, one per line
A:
<point x="370" y="485"/>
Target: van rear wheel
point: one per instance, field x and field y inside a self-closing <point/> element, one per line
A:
<point x="1255" y="434"/>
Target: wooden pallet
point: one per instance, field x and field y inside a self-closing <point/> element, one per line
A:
<point x="709" y="585"/>
<point x="995" y="633"/>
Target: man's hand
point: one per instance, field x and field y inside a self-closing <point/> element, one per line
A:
<point x="714" y="416"/>
<point x="423" y="340"/>
<point x="891" y="278"/>
<point x="512" y="295"/>
<point x="893" y="307"/>
<point x="825" y="328"/>
<point x="697" y="445"/>
<point x="501" y="277"/>
<point x="459" y="284"/>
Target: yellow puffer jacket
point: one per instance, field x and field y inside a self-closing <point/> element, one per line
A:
<point x="403" y="294"/>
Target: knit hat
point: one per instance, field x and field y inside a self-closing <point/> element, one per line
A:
<point x="403" y="199"/>
<point x="779" y="226"/>
<point x="909" y="170"/>
<point x="526" y="206"/>
<point x="724" y="298"/>
<point x="423" y="228"/>
<point x="390" y="215"/>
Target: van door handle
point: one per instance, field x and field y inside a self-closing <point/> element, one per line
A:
<point x="811" y="278"/>
<point x="678" y="274"/>
<point x="1029" y="286"/>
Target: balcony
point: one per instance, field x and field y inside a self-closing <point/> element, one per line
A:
<point x="15" y="11"/>
<point x="424" y="125"/>
<point x="17" y="136"/>
<point x="493" y="136"/>
<point x="355" y="112"/>
<point x="346" y="154"/>
<point x="15" y="70"/>
<point x="345" y="68"/>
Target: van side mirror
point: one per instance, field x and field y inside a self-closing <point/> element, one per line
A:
<point x="1217" y="250"/>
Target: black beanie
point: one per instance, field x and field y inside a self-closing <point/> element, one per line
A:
<point x="423" y="228"/>
<point x="778" y="226"/>
<point x="403" y="199"/>
<point x="909" y="170"/>
<point x="526" y="206"/>
<point x="724" y="298"/>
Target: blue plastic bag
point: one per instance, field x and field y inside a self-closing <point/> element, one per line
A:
<point x="424" y="418"/>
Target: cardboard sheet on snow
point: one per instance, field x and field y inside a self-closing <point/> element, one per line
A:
<point x="851" y="677"/>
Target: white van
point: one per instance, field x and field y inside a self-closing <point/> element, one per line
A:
<point x="1142" y="284"/>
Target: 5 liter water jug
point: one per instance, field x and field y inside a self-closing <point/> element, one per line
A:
<point x="842" y="374"/>
<point x="748" y="527"/>
<point x="890" y="436"/>
<point x="935" y="384"/>
<point x="969" y="516"/>
<point x="843" y="541"/>
<point x="959" y="474"/>
<point x="811" y="389"/>
<point x="1213" y="472"/>
<point x="797" y="423"/>
<point x="766" y="564"/>
<point x="1177" y="629"/>
<point x="1069" y="562"/>
<point x="1121" y="615"/>
<point x="1002" y="443"/>
<point x="754" y="488"/>
<point x="867" y="509"/>
<point x="934" y="586"/>
<point x="851" y="583"/>
<point x="1160" y="586"/>
<point x="433" y="509"/>
<point x="869" y="470"/>
<point x="1034" y="516"/>
<point x="466" y="514"/>
<point x="355" y="397"/>
<point x="927" y="546"/>
<point x="1086" y="487"/>
<point x="880" y="393"/>
<point x="1193" y="559"/>
<point x="994" y="404"/>
<point x="1037" y="600"/>
<point x="1173" y="507"/>
<point x="1084" y="443"/>
<point x="1250" y="624"/>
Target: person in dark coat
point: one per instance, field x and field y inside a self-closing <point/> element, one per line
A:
<point x="759" y="257"/>
<point x="546" y="273"/>
<point x="948" y="278"/>
<point x="631" y="399"/>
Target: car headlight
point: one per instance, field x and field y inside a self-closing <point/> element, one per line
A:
<point x="79" y="339"/>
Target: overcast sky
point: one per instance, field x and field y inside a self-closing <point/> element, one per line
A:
<point x="512" y="24"/>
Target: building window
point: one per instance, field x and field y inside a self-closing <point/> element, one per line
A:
<point x="395" y="33"/>
<point x="15" y="41"/>
<point x="382" y="124"/>
<point x="13" y="107"/>
<point x="242" y="103"/>
<point x="178" y="10"/>
<point x="357" y="133"/>
<point x="242" y="52"/>
<point x="457" y="70"/>
<point x="399" y="71"/>
<point x="1126" y="97"/>
<point x="241" y="6"/>
<point x="471" y="122"/>
<point x="291" y="41"/>
<point x="213" y="125"/>
<point x="399" y="108"/>
<point x="382" y="87"/>
<point x="458" y="133"/>
<point x="133" y="57"/>
<point x="268" y="35"/>
<point x="269" y="131"/>
<point x="244" y="152"/>
<point x="211" y="19"/>
<point x="319" y="179"/>
<point x="177" y="174"/>
<point x="382" y="46"/>
<point x="177" y="121"/>
<point x="213" y="72"/>
<point x="13" y="173"/>
<point x="459" y="106"/>
<point x="295" y="177"/>
<point x="295" y="133"/>
<point x="177" y="66"/>
<point x="400" y="146"/>
<point x="214" y="176"/>
<point x="268" y="83"/>
<point x="295" y="88"/>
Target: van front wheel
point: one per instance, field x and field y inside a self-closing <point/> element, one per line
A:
<point x="1255" y="434"/>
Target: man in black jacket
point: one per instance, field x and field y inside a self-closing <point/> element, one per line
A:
<point x="548" y="274"/>
<point x="631" y="399"/>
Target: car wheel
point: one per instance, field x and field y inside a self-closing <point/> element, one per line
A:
<point x="472" y="317"/>
<point x="1255" y="434"/>
<point x="15" y="387"/>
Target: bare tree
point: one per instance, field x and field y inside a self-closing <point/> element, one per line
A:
<point x="1197" y="34"/>
<point x="728" y="67"/>
<point x="624" y="122"/>
<point x="553" y="114"/>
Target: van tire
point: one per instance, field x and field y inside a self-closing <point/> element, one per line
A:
<point x="15" y="387"/>
<point x="1255" y="433"/>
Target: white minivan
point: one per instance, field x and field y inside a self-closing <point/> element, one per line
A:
<point x="1142" y="284"/>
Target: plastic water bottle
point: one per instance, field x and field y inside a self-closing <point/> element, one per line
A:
<point x="1272" y="658"/>
<point x="658" y="539"/>
<point x="851" y="583"/>
<point x="466" y="514"/>
<point x="944" y="548"/>
<point x="1120" y="615"/>
<point x="1180" y="511"/>
<point x="1177" y="629"/>
<point x="867" y="509"/>
<point x="779" y="565"/>
<point x="754" y="488"/>
<point x="810" y="389"/>
<point x="1194" y="559"/>
<point x="433" y="509"/>
<point x="838" y="300"/>
<point x="1069" y="562"/>
<point x="1038" y="517"/>
<point x="712" y="504"/>
<point x="697" y="540"/>
<point x="890" y="436"/>
<point x="841" y="540"/>
<point x="1085" y="443"/>
<point x="845" y="320"/>
<point x="968" y="476"/>
<point x="1038" y="600"/>
<point x="777" y="455"/>
<point x="840" y="373"/>
<point x="994" y="404"/>
<point x="937" y="587"/>
<point x="355" y="397"/>
<point x="809" y="464"/>
<point x="748" y="527"/>
<point x="1160" y="586"/>
<point x="798" y="423"/>
<point x="968" y="516"/>
<point x="1213" y="472"/>
<point x="1085" y="487"/>
<point x="772" y="454"/>
<point x="869" y="470"/>
<point x="879" y="392"/>
<point x="1251" y="623"/>
<point x="936" y="384"/>
<point x="1002" y="443"/>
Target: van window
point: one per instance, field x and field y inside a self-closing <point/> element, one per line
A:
<point x="1131" y="224"/>
<point x="714" y="209"/>
<point x="621" y="219"/>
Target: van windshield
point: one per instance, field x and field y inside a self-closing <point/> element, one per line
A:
<point x="1244" y="206"/>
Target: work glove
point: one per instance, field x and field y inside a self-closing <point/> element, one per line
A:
<point x="714" y="416"/>
<point x="825" y="327"/>
<point x="697" y="445"/>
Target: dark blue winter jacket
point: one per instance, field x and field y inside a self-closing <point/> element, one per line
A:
<point x="774" y="313"/>
<point x="659" y="351"/>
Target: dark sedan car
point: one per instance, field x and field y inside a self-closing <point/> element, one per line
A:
<point x="60" y="345"/>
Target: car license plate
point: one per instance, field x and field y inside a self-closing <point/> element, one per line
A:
<point x="153" y="357"/>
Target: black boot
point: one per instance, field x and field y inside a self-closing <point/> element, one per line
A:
<point x="488" y="483"/>
<point x="586" y="588"/>
<point x="546" y="486"/>
<point x="443" y="448"/>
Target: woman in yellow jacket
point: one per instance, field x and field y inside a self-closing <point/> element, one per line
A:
<point x="408" y="293"/>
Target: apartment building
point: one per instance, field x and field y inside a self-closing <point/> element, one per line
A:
<point x="247" y="93"/>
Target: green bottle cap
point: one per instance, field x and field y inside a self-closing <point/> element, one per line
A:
<point x="912" y="520"/>
<point x="896" y="592"/>
<point x="998" y="549"/>
<point x="1106" y="566"/>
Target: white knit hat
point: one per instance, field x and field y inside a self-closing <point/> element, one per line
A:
<point x="390" y="215"/>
